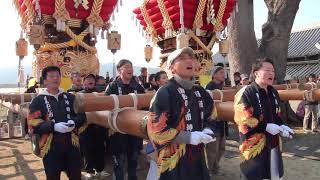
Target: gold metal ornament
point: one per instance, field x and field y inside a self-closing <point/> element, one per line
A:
<point x="36" y="35"/>
<point x="148" y="50"/>
<point x="22" y="47"/>
<point x="114" y="41"/>
<point x="224" y="47"/>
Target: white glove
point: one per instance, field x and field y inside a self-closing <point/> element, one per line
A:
<point x="273" y="128"/>
<point x="70" y="125"/>
<point x="198" y="137"/>
<point x="286" y="134"/>
<point x="209" y="132"/>
<point x="61" y="127"/>
<point x="195" y="138"/>
<point x="287" y="129"/>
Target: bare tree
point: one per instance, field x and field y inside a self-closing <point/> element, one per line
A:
<point x="275" y="35"/>
<point x="243" y="45"/>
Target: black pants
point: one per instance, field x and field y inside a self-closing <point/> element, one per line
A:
<point x="62" y="156"/>
<point x="93" y="148"/>
<point x="125" y="147"/>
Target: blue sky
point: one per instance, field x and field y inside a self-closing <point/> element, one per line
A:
<point x="132" y="40"/>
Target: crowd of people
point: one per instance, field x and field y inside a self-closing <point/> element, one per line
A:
<point x="186" y="139"/>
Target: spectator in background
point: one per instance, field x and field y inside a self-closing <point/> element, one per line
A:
<point x="32" y="85"/>
<point x="217" y="81"/>
<point x="123" y="146"/>
<point x="107" y="78"/>
<point x="143" y="78"/>
<point x="318" y="80"/>
<point x="287" y="79"/>
<point x="152" y="83"/>
<point x="31" y="88"/>
<point x="216" y="149"/>
<point x="244" y="79"/>
<point x="92" y="140"/>
<point x="220" y="64"/>
<point x="161" y="79"/>
<point x="76" y="82"/>
<point x="100" y="84"/>
<point x="311" y="109"/>
<point x="236" y="78"/>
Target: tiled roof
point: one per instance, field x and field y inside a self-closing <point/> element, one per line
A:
<point x="303" y="70"/>
<point x="302" y="42"/>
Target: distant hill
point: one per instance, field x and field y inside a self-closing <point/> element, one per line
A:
<point x="8" y="85"/>
<point x="8" y="76"/>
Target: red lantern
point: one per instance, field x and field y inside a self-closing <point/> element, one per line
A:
<point x="82" y="11"/>
<point x="189" y="9"/>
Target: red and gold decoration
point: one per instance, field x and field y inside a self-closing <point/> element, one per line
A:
<point x="181" y="23"/>
<point x="64" y="32"/>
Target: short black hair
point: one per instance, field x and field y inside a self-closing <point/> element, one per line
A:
<point x="152" y="76"/>
<point x="158" y="75"/>
<point x="312" y="75"/>
<point x="100" y="77"/>
<point x="143" y="69"/>
<point x="237" y="74"/>
<point x="49" y="69"/>
<point x="220" y="64"/>
<point x="258" y="65"/>
<point x="92" y="76"/>
<point x="122" y="62"/>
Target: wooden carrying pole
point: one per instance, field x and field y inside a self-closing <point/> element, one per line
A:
<point x="17" y="98"/>
<point x="129" y="121"/>
<point x="134" y="122"/>
<point x="228" y="95"/>
<point x="98" y="101"/>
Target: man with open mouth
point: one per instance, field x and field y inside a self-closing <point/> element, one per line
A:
<point x="179" y="121"/>
<point x="124" y="146"/>
<point x="258" y="116"/>
<point x="52" y="118"/>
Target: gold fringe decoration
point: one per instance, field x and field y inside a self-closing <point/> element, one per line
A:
<point x="24" y="19"/>
<point x="167" y="23"/>
<point x="150" y="28"/>
<point x="31" y="13"/>
<point x="198" y="20"/>
<point x="94" y="18"/>
<point x="219" y="26"/>
<point x="61" y="14"/>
